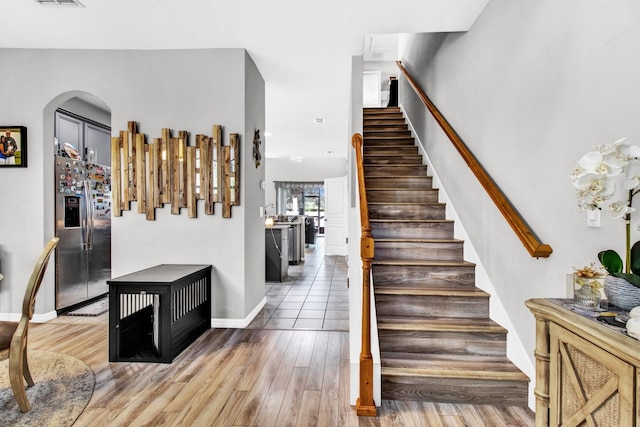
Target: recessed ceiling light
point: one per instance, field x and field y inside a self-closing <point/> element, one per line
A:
<point x="328" y="152"/>
<point x="59" y="3"/>
<point x="318" y="120"/>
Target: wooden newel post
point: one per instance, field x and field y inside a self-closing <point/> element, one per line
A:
<point x="364" y="404"/>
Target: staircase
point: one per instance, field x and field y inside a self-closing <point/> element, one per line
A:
<point x="437" y="341"/>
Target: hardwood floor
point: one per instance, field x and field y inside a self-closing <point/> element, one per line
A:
<point x="243" y="377"/>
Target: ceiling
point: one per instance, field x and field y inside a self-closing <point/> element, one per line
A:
<point x="303" y="49"/>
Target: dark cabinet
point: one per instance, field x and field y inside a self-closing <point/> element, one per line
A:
<point x="277" y="253"/>
<point x="156" y="313"/>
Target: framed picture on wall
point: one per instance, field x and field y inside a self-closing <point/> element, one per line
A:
<point x="13" y="146"/>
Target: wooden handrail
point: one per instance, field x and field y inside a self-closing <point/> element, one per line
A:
<point x="526" y="235"/>
<point x="364" y="404"/>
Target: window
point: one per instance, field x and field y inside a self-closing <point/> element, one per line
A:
<point x="301" y="198"/>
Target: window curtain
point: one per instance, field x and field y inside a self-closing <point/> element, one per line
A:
<point x="298" y="185"/>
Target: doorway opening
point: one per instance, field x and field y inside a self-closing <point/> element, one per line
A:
<point x="80" y="158"/>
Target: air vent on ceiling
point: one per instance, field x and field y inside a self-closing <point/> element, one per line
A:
<point x="318" y="120"/>
<point x="59" y="3"/>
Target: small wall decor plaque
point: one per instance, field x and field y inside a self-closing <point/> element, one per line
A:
<point x="13" y="146"/>
<point x="256" y="147"/>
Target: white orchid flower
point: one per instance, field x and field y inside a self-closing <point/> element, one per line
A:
<point x="633" y="174"/>
<point x="596" y="173"/>
<point x="591" y="161"/>
<point x="595" y="185"/>
<point x="615" y="162"/>
<point x="577" y="172"/>
<point x="627" y="150"/>
<point x="634" y="152"/>
<point x="620" y="209"/>
<point x="604" y="188"/>
<point x="606" y="148"/>
<point x="597" y="163"/>
<point x="590" y="202"/>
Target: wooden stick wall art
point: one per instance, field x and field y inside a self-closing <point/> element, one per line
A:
<point x="169" y="170"/>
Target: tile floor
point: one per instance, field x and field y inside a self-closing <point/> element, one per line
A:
<point x="314" y="296"/>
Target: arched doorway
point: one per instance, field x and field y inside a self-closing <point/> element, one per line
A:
<point x="76" y="162"/>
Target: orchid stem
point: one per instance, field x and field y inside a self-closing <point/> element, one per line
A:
<point x="627" y="265"/>
<point x="628" y="260"/>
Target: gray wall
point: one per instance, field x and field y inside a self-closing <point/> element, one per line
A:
<point x="178" y="89"/>
<point x="253" y="194"/>
<point x="530" y="88"/>
<point x="81" y="108"/>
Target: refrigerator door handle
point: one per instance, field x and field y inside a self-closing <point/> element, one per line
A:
<point x="89" y="214"/>
<point x="83" y="221"/>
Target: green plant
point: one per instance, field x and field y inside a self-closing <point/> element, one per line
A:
<point x="613" y="264"/>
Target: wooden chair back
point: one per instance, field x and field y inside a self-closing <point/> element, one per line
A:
<point x="28" y="303"/>
<point x="18" y="366"/>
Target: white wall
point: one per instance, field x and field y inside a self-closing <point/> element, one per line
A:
<point x="178" y="89"/>
<point x="530" y="88"/>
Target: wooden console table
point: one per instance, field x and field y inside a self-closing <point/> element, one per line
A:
<point x="587" y="372"/>
<point x="156" y="313"/>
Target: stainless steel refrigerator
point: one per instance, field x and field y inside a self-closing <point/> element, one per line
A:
<point x="83" y="224"/>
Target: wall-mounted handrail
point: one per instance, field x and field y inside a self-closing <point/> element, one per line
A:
<point x="364" y="404"/>
<point x="526" y="235"/>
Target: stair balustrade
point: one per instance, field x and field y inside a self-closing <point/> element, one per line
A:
<point x="526" y="235"/>
<point x="365" y="405"/>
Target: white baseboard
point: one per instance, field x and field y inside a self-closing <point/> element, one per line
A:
<point x="239" y="323"/>
<point x="45" y="317"/>
<point x="37" y="318"/>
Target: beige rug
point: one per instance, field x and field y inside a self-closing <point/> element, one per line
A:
<point x="63" y="387"/>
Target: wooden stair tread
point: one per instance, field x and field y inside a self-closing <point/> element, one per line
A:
<point x="389" y="169"/>
<point x="402" y="189"/>
<point x="407" y="203"/>
<point x="450" y="366"/>
<point x="389" y="141"/>
<point x="411" y="177"/>
<point x="396" y="165"/>
<point x="424" y="263"/>
<point x="414" y="240"/>
<point x="394" y="142"/>
<point x="412" y="221"/>
<point x="387" y="146"/>
<point x="388" y="134"/>
<point x="381" y="110"/>
<point x="439" y="324"/>
<point x="387" y="155"/>
<point x="436" y="291"/>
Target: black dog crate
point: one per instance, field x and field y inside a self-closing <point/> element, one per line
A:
<point x="156" y="313"/>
